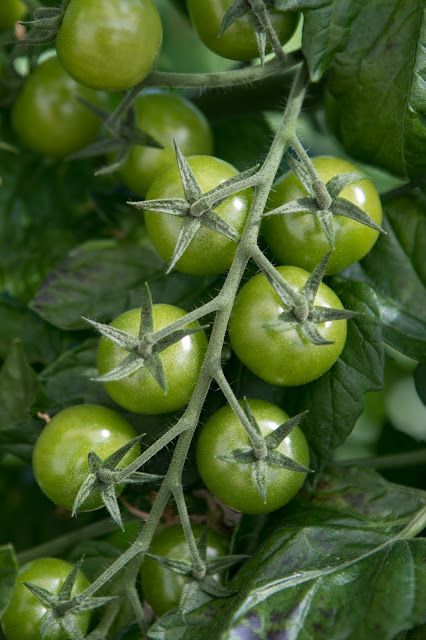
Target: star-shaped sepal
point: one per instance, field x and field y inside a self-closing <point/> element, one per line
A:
<point x="301" y="313"/>
<point x="198" y="208"/>
<point x="323" y="200"/>
<point x="206" y="581"/>
<point x="62" y="608"/>
<point x="271" y="456"/>
<point x="44" y="28"/>
<point x="144" y="350"/>
<point x="102" y="477"/>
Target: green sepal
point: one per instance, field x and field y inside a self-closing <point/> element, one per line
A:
<point x="311" y="333"/>
<point x="47" y="623"/>
<point x="243" y="455"/>
<point x="216" y="565"/>
<point x="260" y="36"/>
<point x="342" y="207"/>
<point x="187" y="231"/>
<point x="116" y="165"/>
<point x="188" y="592"/>
<point x="177" y="566"/>
<point x="102" y="147"/>
<point x="212" y="220"/>
<point x="222" y="191"/>
<point x="171" y="206"/>
<point x="236" y="9"/>
<point x="285" y="292"/>
<point x="147" y="318"/>
<point x="323" y="314"/>
<point x="89" y="484"/>
<point x="300" y="172"/>
<point x="275" y="438"/>
<point x="94" y="462"/>
<point x="70" y="627"/>
<point x="312" y="284"/>
<point x="278" y="460"/>
<point x="191" y="188"/>
<point x="336" y="184"/>
<point x="154" y="364"/>
<point x="302" y="205"/>
<point x="65" y="590"/>
<point x="213" y="588"/>
<point x="112" y="461"/>
<point x="122" y="338"/>
<point x="93" y="603"/>
<point x="324" y="219"/>
<point x="139" y="477"/>
<point x="177" y="335"/>
<point x="110" y="501"/>
<point x="250" y="417"/>
<point x="132" y="363"/>
<point x="47" y="12"/>
<point x="46" y="597"/>
<point x="258" y="472"/>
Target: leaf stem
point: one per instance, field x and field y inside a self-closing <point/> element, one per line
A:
<point x="390" y="461"/>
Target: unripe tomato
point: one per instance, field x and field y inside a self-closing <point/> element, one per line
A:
<point x="167" y="117"/>
<point x="297" y="238"/>
<point x="110" y="45"/>
<point x="10" y="12"/>
<point x="23" y="616"/>
<point x="238" y="42"/>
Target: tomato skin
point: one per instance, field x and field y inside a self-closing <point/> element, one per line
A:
<point x="166" y="117"/>
<point x="182" y="362"/>
<point x="111" y="45"/>
<point x="10" y="12"/>
<point x="60" y="453"/>
<point x="23" y="616"/>
<point x="161" y="587"/>
<point x="239" y="40"/>
<point x="282" y="358"/>
<point x="209" y="252"/>
<point x="223" y="433"/>
<point x="47" y="115"/>
<point x="297" y="239"/>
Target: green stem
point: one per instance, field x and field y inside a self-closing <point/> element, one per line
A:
<point x="199" y="566"/>
<point x="192" y="316"/>
<point x="390" y="461"/>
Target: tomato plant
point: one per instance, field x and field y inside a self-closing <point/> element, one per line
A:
<point x="60" y="454"/>
<point x="205" y="335"/>
<point x="101" y="48"/>
<point x="10" y="12"/>
<point x="239" y="41"/>
<point x="47" y="115"/>
<point x="223" y="433"/>
<point x="283" y="357"/>
<point x="161" y="587"/>
<point x="297" y="238"/>
<point x="209" y="251"/>
<point x="167" y="117"/>
<point x="25" y="612"/>
<point x="182" y="361"/>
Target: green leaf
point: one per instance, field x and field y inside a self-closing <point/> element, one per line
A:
<point x="376" y="54"/>
<point x="102" y="283"/>
<point x="8" y="575"/>
<point x="396" y="268"/>
<point x="340" y="563"/>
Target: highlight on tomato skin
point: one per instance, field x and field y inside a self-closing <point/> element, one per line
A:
<point x="223" y="433"/>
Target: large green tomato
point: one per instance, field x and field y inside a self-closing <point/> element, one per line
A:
<point x="110" y="45"/>
<point x="182" y="362"/>
<point x="47" y="115"/>
<point x="161" y="587"/>
<point x="297" y="238"/>
<point x="239" y="40"/>
<point x="167" y="117"/>
<point x="232" y="482"/>
<point x="24" y="613"/>
<point x="282" y="357"/>
<point x="209" y="252"/>
<point x="10" y="12"/>
<point x="60" y="453"/>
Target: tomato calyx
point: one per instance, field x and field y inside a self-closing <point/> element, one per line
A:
<point x="300" y="312"/>
<point x="198" y="208"/>
<point x="61" y="608"/>
<point x="144" y="350"/>
<point x="323" y="200"/>
<point x="102" y="477"/>
<point x="45" y="25"/>
<point x="200" y="579"/>
<point x="270" y="456"/>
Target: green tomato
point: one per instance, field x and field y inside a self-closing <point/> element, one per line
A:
<point x="182" y="362"/>
<point x="232" y="482"/>
<point x="209" y="251"/>
<point x="239" y="41"/>
<point x="60" y="453"/>
<point x="163" y="588"/>
<point x="282" y="357"/>
<point x="297" y="238"/>
<point x="10" y="12"/>
<point x="25" y="611"/>
<point x="110" y="45"/>
<point x="167" y="117"/>
<point x="47" y="115"/>
<point x="122" y="539"/>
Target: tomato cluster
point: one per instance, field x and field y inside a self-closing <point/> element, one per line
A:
<point x="112" y="46"/>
